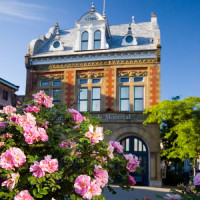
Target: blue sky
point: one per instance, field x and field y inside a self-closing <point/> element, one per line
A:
<point x="179" y="22"/>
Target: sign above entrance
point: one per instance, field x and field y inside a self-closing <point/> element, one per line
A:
<point x="113" y="117"/>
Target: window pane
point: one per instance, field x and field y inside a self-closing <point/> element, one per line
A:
<point x="56" y="93"/>
<point x="96" y="80"/>
<point x="124" y="105"/>
<point x="84" y="41"/>
<point x="57" y="83"/>
<point x="85" y="35"/>
<point x="84" y="45"/>
<point x="144" y="148"/>
<point x="97" y="40"/>
<point x="96" y="93"/>
<point x="138" y="105"/>
<point x="83" y="93"/>
<point x="124" y="92"/>
<point x="124" y="80"/>
<point x="97" y="35"/>
<point x="140" y="145"/>
<point x="83" y="81"/>
<point x="139" y="92"/>
<point x="44" y="83"/>
<point x="138" y="79"/>
<point x="127" y="144"/>
<point x="97" y="44"/>
<point x="82" y="106"/>
<point x="135" y="144"/>
<point x="96" y="105"/>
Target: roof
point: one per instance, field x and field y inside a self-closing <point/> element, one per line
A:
<point x="146" y="33"/>
<point x="9" y="84"/>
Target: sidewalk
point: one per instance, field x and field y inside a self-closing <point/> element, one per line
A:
<point x="138" y="193"/>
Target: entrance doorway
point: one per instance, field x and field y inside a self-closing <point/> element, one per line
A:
<point x="138" y="147"/>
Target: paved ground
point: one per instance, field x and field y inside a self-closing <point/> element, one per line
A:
<point x="138" y="193"/>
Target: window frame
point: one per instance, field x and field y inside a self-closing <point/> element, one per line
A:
<point x="131" y="84"/>
<point x="83" y="41"/>
<point x="121" y="99"/>
<point x="79" y="100"/>
<point x="97" y="39"/>
<point x="136" y="98"/>
<point x="5" y="95"/>
<point x="95" y="99"/>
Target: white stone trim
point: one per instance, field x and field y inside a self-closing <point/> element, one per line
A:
<point x="87" y="58"/>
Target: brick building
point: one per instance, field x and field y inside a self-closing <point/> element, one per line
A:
<point x="7" y="93"/>
<point x="113" y="72"/>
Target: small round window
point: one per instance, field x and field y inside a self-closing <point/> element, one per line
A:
<point x="56" y="44"/>
<point x="129" y="39"/>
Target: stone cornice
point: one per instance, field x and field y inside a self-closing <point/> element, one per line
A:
<point x="103" y="63"/>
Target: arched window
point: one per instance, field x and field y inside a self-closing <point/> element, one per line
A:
<point x="97" y="39"/>
<point x="84" y="41"/>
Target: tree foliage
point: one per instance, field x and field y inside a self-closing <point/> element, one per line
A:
<point x="179" y="122"/>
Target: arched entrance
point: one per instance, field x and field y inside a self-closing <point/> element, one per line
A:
<point x="138" y="147"/>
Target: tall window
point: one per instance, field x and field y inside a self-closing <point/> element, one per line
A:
<point x="84" y="41"/>
<point x="56" y="94"/>
<point x="5" y="95"/>
<point x="89" y="94"/>
<point x="83" y="99"/>
<point x="138" y="98"/>
<point x="124" y="98"/>
<point x="131" y="93"/>
<point x="96" y="98"/>
<point x="97" y="40"/>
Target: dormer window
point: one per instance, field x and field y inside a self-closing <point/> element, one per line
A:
<point x="84" y="41"/>
<point x="97" y="39"/>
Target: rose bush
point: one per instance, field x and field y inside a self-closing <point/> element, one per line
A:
<point x="185" y="192"/>
<point x="51" y="152"/>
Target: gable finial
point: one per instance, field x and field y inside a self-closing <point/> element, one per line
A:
<point x="129" y="29"/>
<point x="104" y="9"/>
<point x="93" y="8"/>
<point x="57" y="30"/>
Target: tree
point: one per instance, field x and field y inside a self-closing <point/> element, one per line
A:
<point x="179" y="122"/>
<point x="52" y="152"/>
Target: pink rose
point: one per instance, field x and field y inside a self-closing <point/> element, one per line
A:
<point x="95" y="136"/>
<point x="101" y="175"/>
<point x="11" y="158"/>
<point x="49" y="165"/>
<point x="131" y="180"/>
<point x="77" y="116"/>
<point x="38" y="169"/>
<point x="34" y="109"/>
<point x="9" y="110"/>
<point x="10" y="183"/>
<point x="42" y="99"/>
<point x="110" y="149"/>
<point x="117" y="146"/>
<point x="82" y="185"/>
<point x="23" y="195"/>
<point x="87" y="188"/>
